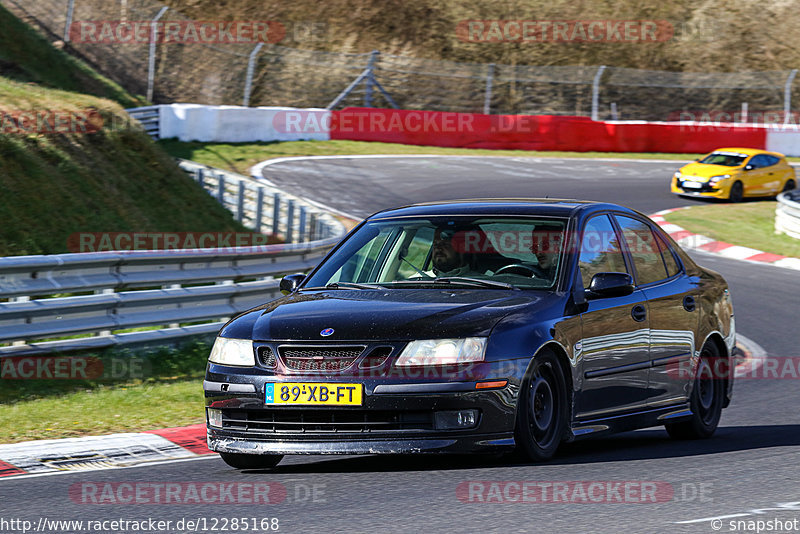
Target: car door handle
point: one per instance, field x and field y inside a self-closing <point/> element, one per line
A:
<point x="688" y="303"/>
<point x="638" y="313"/>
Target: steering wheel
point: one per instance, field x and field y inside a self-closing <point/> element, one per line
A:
<point x="531" y="271"/>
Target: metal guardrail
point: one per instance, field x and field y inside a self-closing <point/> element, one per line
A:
<point x="787" y="214"/>
<point x="100" y="295"/>
<point x="264" y="208"/>
<point x="149" y="117"/>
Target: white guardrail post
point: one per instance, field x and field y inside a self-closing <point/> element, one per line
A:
<point x="787" y="214"/>
<point x="97" y="294"/>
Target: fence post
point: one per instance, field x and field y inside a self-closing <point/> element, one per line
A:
<point x="301" y="233"/>
<point x="199" y="176"/>
<point x="370" y="78"/>
<point x="614" y="115"/>
<point x="745" y="106"/>
<point x="68" y="23"/>
<point x="151" y="62"/>
<point x="240" y="202"/>
<point x="276" y="213"/>
<point x="596" y="91"/>
<point x="312" y="227"/>
<point x="787" y="96"/>
<point x="290" y="222"/>
<point x="487" y="98"/>
<point x="259" y="208"/>
<point x="248" y="82"/>
<point x="221" y="189"/>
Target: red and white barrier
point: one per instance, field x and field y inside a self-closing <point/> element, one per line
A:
<point x="192" y="122"/>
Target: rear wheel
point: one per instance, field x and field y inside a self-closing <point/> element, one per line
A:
<point x="542" y="409"/>
<point x="737" y="192"/>
<point x="789" y="185"/>
<point x="707" y="398"/>
<point x="250" y="461"/>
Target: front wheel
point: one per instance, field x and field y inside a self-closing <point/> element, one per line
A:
<point x="706" y="400"/>
<point x="250" y="461"/>
<point x="542" y="409"/>
<point x="737" y="192"/>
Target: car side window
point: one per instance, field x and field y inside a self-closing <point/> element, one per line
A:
<point x="668" y="254"/>
<point x="759" y="161"/>
<point x="641" y="245"/>
<point x="600" y="249"/>
<point x="770" y="160"/>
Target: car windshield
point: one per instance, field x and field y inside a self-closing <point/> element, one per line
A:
<point x="728" y="159"/>
<point x="479" y="252"/>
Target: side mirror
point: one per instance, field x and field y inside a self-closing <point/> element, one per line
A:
<point x="748" y="167"/>
<point x="290" y="282"/>
<point x="610" y="285"/>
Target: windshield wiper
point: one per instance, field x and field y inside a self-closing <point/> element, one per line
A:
<point x="475" y="281"/>
<point x="464" y="280"/>
<point x="352" y="285"/>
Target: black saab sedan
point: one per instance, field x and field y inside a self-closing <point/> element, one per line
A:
<point x="476" y="326"/>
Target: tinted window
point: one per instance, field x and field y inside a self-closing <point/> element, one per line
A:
<point x="600" y="250"/>
<point x="724" y="158"/>
<point x="641" y="245"/>
<point x="669" y="256"/>
<point x="771" y="160"/>
<point x="407" y="253"/>
<point x="758" y="161"/>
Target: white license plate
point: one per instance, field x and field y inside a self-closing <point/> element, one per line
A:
<point x="692" y="185"/>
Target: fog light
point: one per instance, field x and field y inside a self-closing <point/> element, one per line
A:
<point x="214" y="417"/>
<point x="454" y="420"/>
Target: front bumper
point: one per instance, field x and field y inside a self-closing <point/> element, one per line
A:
<point x="397" y="415"/>
<point x="721" y="190"/>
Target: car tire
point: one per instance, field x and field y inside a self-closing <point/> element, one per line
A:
<point x="542" y="409"/>
<point x="736" y="193"/>
<point x="788" y="186"/>
<point x="707" y="399"/>
<point x="250" y="461"/>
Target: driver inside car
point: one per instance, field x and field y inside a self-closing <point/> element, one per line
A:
<point x="449" y="259"/>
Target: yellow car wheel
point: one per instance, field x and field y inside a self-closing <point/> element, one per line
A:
<point x="737" y="192"/>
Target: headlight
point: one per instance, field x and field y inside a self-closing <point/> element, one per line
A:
<point x="677" y="175"/>
<point x="443" y="351"/>
<point x="714" y="179"/>
<point x="227" y="351"/>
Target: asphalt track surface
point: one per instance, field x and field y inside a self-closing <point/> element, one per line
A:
<point x="749" y="470"/>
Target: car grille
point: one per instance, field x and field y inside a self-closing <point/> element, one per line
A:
<point x="704" y="188"/>
<point x="326" y="421"/>
<point x="266" y="357"/>
<point x="319" y="359"/>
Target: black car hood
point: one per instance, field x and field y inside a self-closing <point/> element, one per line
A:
<point x="398" y="314"/>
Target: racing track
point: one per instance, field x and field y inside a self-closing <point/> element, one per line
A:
<point x="752" y="463"/>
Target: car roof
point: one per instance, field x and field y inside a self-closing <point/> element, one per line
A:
<point x="547" y="207"/>
<point x="748" y="151"/>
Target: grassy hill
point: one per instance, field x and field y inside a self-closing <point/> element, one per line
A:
<point x="715" y="35"/>
<point x="27" y="56"/>
<point x="114" y="180"/>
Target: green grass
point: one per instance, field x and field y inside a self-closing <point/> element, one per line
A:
<point x="239" y="157"/>
<point x="749" y="224"/>
<point x="104" y="410"/>
<point x="137" y="390"/>
<point x="58" y="185"/>
<point x="26" y="56"/>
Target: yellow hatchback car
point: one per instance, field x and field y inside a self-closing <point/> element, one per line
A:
<point x="735" y="173"/>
